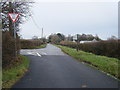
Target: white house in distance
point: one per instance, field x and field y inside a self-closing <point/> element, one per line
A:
<point x="75" y="38"/>
<point x="94" y="40"/>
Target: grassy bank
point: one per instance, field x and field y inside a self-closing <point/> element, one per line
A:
<point x="36" y="47"/>
<point x="103" y="63"/>
<point x="12" y="75"/>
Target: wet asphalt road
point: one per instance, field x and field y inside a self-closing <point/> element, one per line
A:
<point x="51" y="68"/>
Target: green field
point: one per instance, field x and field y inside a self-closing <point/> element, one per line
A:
<point x="12" y="75"/>
<point x="103" y="63"/>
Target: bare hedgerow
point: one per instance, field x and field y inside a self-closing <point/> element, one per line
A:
<point x="106" y="48"/>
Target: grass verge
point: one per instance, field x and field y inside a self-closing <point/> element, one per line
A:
<point x="12" y="75"/>
<point x="41" y="46"/>
<point x="103" y="63"/>
<point x="35" y="47"/>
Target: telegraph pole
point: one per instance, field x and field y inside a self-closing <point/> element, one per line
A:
<point x="15" y="33"/>
<point x="77" y="43"/>
<point x="42" y="33"/>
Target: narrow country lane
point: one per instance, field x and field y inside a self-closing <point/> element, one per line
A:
<point x="51" y="68"/>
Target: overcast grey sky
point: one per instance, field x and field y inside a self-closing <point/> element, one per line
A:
<point x="99" y="18"/>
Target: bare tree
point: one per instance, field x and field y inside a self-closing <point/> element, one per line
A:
<point x="14" y="6"/>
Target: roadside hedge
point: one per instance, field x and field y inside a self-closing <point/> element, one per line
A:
<point x="105" y="48"/>
<point x="8" y="49"/>
<point x="29" y="44"/>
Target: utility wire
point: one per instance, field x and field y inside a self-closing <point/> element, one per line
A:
<point x="33" y="20"/>
<point x="35" y="23"/>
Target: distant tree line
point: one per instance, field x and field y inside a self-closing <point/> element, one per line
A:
<point x="57" y="38"/>
<point x="88" y="37"/>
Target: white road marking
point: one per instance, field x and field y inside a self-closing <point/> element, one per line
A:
<point x="34" y="53"/>
<point x="45" y="53"/>
<point x="84" y="86"/>
<point x="38" y="54"/>
<point x="29" y="53"/>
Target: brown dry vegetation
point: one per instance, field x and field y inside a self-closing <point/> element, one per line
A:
<point x="8" y="49"/>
